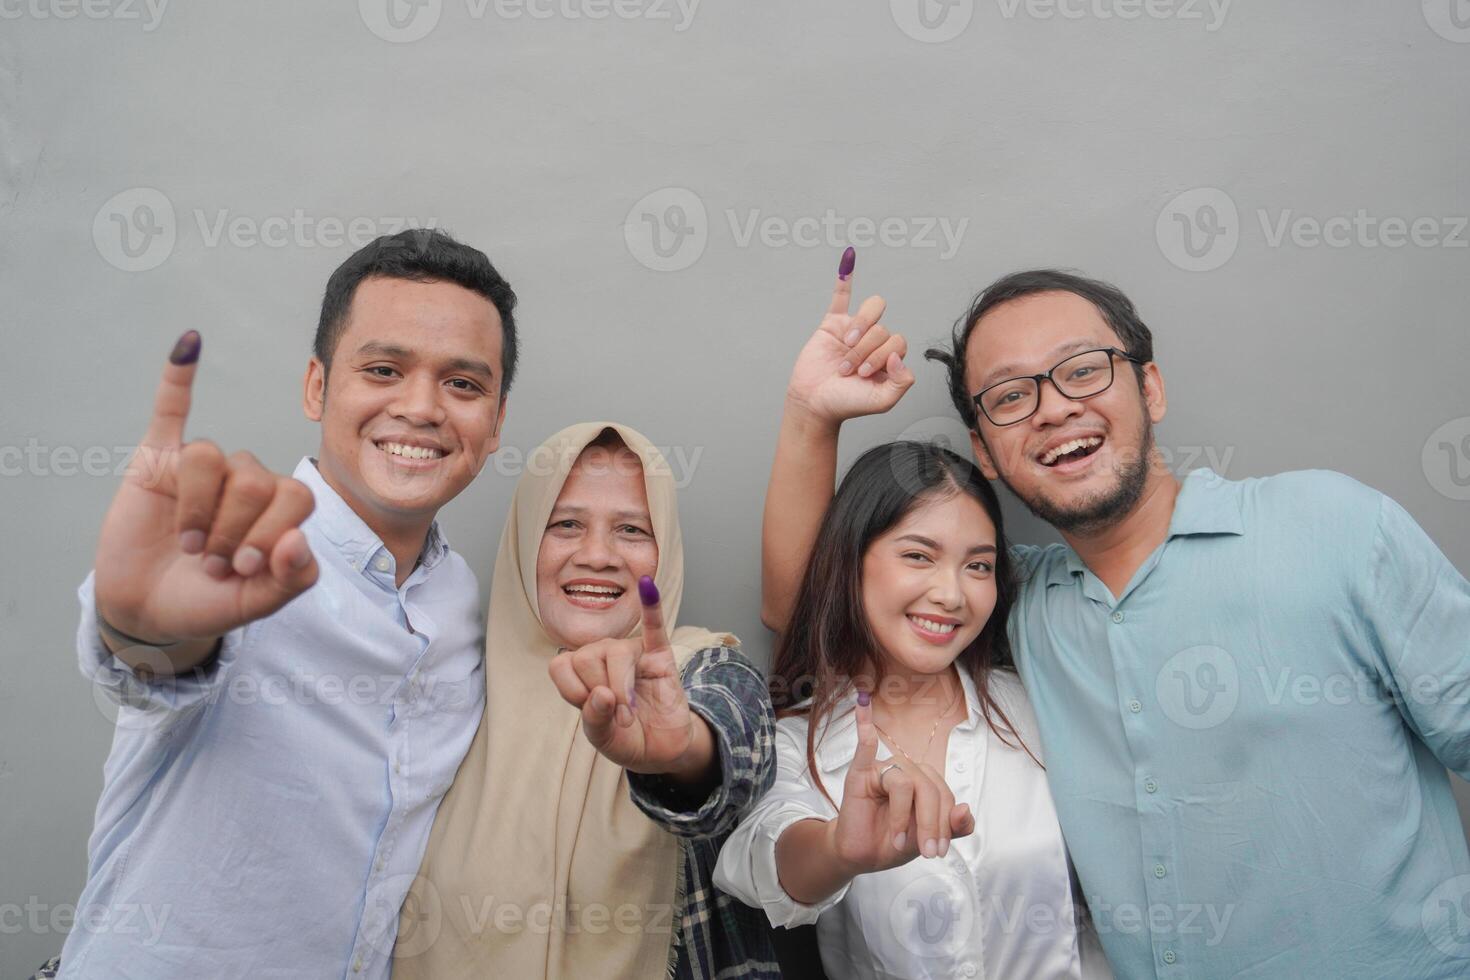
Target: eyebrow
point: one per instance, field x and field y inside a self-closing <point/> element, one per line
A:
<point x="618" y="515"/>
<point x="979" y="549"/>
<point x="467" y="364"/>
<point x="1006" y="371"/>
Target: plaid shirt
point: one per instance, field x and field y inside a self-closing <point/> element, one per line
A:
<point x="718" y="937"/>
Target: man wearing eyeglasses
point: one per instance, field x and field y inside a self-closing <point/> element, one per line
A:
<point x="1248" y="691"/>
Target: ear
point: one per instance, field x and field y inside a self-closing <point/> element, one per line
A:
<point x="314" y="397"/>
<point x="982" y="456"/>
<point x="1154" y="397"/>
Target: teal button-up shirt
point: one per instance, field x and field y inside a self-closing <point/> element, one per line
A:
<point x="1247" y="748"/>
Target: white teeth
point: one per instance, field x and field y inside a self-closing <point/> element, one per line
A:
<point x="595" y="589"/>
<point x="409" y="452"/>
<point x="1087" y="442"/>
<point x="932" y="626"/>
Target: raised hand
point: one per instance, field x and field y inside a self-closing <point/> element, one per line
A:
<point x="195" y="543"/>
<point x="852" y="365"/>
<point x="889" y="816"/>
<point x="634" y="710"/>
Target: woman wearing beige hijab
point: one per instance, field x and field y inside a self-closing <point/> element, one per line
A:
<point x="580" y="834"/>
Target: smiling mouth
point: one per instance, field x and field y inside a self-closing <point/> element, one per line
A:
<point x="404" y="452"/>
<point x="932" y="630"/>
<point x="592" y="596"/>
<point x="1071" y="451"/>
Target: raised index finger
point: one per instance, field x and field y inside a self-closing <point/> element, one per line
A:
<point x="171" y="403"/>
<point x="653" y="616"/>
<point x="842" y="292"/>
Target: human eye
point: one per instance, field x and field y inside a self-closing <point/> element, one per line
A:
<point x="465" y="384"/>
<point x="915" y="555"/>
<point x="374" y="368"/>
<point x="982" y="566"/>
<point x="634" y="529"/>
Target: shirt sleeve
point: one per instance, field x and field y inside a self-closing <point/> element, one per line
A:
<point x="729" y="693"/>
<point x="141" y="703"/>
<point x="747" y="865"/>
<point x="1417" y="610"/>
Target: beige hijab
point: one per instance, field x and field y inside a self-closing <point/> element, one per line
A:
<point x="539" y="865"/>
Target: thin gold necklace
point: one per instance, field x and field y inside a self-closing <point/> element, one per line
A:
<point x="932" y="732"/>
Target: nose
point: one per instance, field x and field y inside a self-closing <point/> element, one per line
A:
<point x="944" y="588"/>
<point x="417" y="401"/>
<point x="1053" y="407"/>
<point x="596" y="550"/>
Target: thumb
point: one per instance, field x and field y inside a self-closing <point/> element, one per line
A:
<point x="598" y="713"/>
<point x="293" y="570"/>
<point x="961" y="821"/>
<point x="900" y="378"/>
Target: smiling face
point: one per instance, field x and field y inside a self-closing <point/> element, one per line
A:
<point x="929" y="583"/>
<point x="597" y="544"/>
<point x="1079" y="465"/>
<point x="411" y="407"/>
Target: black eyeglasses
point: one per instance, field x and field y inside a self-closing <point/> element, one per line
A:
<point x="1079" y="376"/>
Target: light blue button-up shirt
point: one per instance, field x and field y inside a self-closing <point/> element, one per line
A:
<point x="1247" y="748"/>
<point x="264" y="817"/>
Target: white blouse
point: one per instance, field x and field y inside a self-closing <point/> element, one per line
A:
<point x="999" y="905"/>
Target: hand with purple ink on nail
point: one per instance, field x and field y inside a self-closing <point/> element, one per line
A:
<point x="194" y="543"/>
<point x="634" y="709"/>
<point x="852" y="365"/>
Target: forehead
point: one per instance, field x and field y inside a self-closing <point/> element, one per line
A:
<point x="429" y="318"/>
<point x="1030" y="334"/>
<point x="604" y="480"/>
<point x="953" y="521"/>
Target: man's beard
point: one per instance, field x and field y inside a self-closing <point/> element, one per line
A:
<point x="1105" y="508"/>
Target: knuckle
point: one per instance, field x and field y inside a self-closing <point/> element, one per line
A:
<point x="296" y="494"/>
<point x="244" y="459"/>
<point x="202" y="452"/>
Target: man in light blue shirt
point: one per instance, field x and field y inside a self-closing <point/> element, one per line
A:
<point x="296" y="662"/>
<point x="1248" y="691"/>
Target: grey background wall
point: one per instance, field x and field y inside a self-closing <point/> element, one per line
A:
<point x="668" y="184"/>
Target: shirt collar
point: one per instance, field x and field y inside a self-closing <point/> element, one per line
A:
<point x="837" y="740"/>
<point x="1207" y="504"/>
<point x="348" y="532"/>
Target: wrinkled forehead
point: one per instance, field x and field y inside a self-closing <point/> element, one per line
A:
<point x="605" y="478"/>
<point x="1030" y="334"/>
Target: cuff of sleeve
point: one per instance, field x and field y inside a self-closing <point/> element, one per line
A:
<point x="780" y="907"/>
<point x="668" y="803"/>
<point x="116" y="681"/>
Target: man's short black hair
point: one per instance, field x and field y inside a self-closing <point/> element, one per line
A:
<point x="420" y="255"/>
<point x="1116" y="308"/>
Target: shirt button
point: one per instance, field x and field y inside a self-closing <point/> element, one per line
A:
<point x="357" y="965"/>
<point x="1149" y="786"/>
<point x="959" y="767"/>
<point x="1117" y="617"/>
<point x="1135" y="706"/>
<point x="1169" y="956"/>
<point x="968" y="969"/>
<point x="1159" y="871"/>
<point x="381" y="564"/>
<point x="397" y="769"/>
<point x="378" y="865"/>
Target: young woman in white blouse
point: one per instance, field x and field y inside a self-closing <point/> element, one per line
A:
<point x="910" y="819"/>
